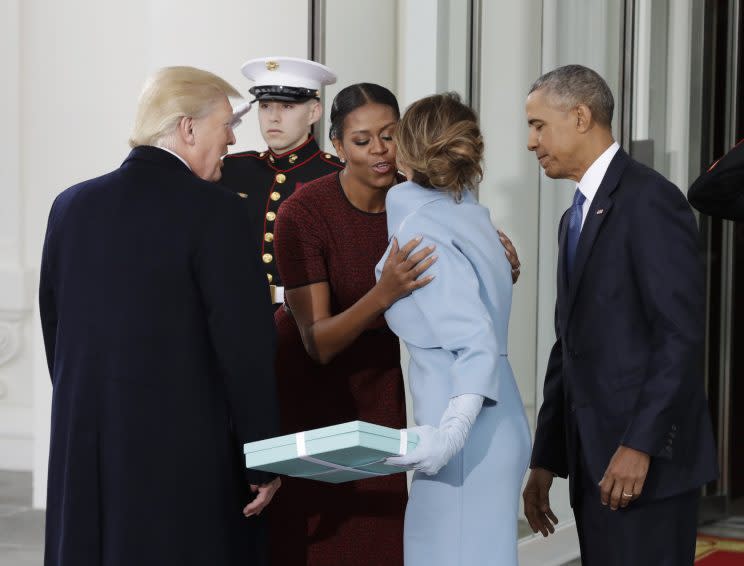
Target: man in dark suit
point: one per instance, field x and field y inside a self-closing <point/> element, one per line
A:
<point x="160" y="341"/>
<point x="720" y="190"/>
<point x="624" y="413"/>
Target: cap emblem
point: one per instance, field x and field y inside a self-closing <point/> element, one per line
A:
<point x="272" y="65"/>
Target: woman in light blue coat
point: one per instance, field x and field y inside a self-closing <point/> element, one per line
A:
<point x="474" y="438"/>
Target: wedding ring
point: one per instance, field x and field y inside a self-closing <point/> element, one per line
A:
<point x="627" y="494"/>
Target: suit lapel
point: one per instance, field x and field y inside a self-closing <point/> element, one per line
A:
<point x="598" y="211"/>
<point x="562" y="274"/>
<point x="562" y="303"/>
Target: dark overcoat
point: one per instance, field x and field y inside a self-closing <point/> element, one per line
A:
<point x="160" y="343"/>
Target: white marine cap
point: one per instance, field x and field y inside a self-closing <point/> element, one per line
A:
<point x="287" y="78"/>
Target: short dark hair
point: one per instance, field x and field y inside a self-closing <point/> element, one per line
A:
<point x="354" y="96"/>
<point x="572" y="85"/>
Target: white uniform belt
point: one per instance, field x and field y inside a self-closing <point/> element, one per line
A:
<point x="277" y="293"/>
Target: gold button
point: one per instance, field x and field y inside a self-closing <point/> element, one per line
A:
<point x="271" y="216"/>
<point x="328" y="156"/>
<point x="280" y="178"/>
<point x="267" y="258"/>
<point x="271" y="158"/>
<point x="270" y="277"/>
<point x="293" y="158"/>
<point x="268" y="237"/>
<point x="275" y="196"/>
<point x="242" y="195"/>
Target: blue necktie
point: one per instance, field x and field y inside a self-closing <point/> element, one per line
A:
<point x="574" y="230"/>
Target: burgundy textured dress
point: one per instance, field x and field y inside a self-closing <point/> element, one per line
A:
<point x="321" y="236"/>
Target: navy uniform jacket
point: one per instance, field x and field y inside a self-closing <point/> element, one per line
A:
<point x="265" y="180"/>
<point x="720" y="190"/>
<point x="160" y="342"/>
<point x="627" y="364"/>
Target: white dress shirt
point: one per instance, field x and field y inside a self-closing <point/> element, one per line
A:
<point x="591" y="180"/>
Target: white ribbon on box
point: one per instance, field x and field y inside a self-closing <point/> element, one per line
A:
<point x="333" y="468"/>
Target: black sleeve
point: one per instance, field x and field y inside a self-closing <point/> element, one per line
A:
<point x="549" y="448"/>
<point x="669" y="274"/>
<point x="720" y="191"/>
<point x="47" y="303"/>
<point x="241" y="324"/>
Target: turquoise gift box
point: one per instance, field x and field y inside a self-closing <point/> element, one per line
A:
<point x="334" y="454"/>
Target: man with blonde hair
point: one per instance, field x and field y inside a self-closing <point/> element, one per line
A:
<point x="160" y="343"/>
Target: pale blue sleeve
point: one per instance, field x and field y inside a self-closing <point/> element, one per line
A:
<point x="448" y="313"/>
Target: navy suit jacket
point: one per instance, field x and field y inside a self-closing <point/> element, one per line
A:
<point x="627" y="364"/>
<point x="160" y="342"/>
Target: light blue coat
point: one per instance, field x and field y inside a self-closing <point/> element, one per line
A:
<point x="456" y="329"/>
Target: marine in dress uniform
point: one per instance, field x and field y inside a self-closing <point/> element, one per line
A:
<point x="265" y="179"/>
<point x="720" y="190"/>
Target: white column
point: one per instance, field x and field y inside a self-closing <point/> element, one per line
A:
<point x="360" y="46"/>
<point x="641" y="73"/>
<point x="417" y="56"/>
<point x="678" y="92"/>
<point x="15" y="387"/>
<point x="510" y="185"/>
<point x="513" y="47"/>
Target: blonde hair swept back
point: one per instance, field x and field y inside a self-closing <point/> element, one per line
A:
<point x="438" y="138"/>
<point x="170" y="94"/>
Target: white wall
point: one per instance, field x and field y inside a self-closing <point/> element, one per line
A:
<point x="16" y="391"/>
<point x="73" y="72"/>
<point x="510" y="61"/>
<point x="588" y="33"/>
<point x="360" y="46"/>
<point x="417" y="65"/>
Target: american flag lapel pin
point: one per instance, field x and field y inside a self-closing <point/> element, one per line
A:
<point x="600" y="211"/>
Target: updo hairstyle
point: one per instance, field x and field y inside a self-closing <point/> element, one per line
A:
<point x="355" y="96"/>
<point x="438" y="138"/>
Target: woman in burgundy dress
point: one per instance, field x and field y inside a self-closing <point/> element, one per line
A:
<point x="337" y="360"/>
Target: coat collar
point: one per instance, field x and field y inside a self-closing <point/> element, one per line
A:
<point x="404" y="199"/>
<point x="156" y="155"/>
<point x="294" y="158"/>
<point x="598" y="212"/>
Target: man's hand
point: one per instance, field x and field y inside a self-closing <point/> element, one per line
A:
<point x="265" y="492"/>
<point x="623" y="480"/>
<point x="511" y="255"/>
<point x="537" y="503"/>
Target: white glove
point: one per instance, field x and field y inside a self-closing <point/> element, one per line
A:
<point x="437" y="446"/>
<point x="238" y="113"/>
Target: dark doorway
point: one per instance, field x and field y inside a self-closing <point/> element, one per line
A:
<point x="723" y="242"/>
